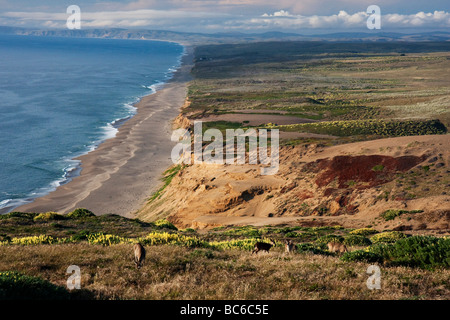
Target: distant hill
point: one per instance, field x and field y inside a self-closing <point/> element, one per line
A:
<point x="234" y="37"/>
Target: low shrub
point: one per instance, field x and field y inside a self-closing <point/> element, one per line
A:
<point x="363" y="232"/>
<point x="292" y="234"/>
<point x="4" y="238"/>
<point x="378" y="167"/>
<point x="286" y="229"/>
<point x="241" y="244"/>
<point x="159" y="238"/>
<point x="248" y="231"/>
<point x="327" y="228"/>
<point x="105" y="239"/>
<point x="47" y="216"/>
<point x="80" y="236"/>
<point x="17" y="286"/>
<point x="356" y="240"/>
<point x="80" y="213"/>
<point x="330" y="238"/>
<point x="15" y="214"/>
<point x="387" y="237"/>
<point x="34" y="240"/>
<point x="416" y="251"/>
<point x="362" y="256"/>
<point x="311" y="248"/>
<point x="163" y="223"/>
<point x="392" y="214"/>
<point x="369" y="127"/>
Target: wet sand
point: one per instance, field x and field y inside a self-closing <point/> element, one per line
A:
<point x="122" y="173"/>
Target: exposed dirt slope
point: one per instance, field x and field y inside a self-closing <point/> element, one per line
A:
<point x="350" y="185"/>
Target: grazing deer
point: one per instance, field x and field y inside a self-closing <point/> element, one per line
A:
<point x="336" y="247"/>
<point x="289" y="246"/>
<point x="139" y="255"/>
<point x="263" y="246"/>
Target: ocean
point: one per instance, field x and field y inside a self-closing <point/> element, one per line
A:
<point x="61" y="97"/>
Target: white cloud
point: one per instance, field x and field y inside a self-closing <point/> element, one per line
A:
<point x="342" y="20"/>
<point x="202" y="20"/>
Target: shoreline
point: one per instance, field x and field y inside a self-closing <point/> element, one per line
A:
<point x="122" y="172"/>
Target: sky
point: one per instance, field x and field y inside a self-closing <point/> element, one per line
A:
<point x="250" y="16"/>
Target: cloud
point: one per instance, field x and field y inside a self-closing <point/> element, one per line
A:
<point x="133" y="18"/>
<point x="342" y="20"/>
<point x="280" y="13"/>
<point x="193" y="21"/>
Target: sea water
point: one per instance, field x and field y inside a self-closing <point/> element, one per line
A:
<point x="61" y="97"/>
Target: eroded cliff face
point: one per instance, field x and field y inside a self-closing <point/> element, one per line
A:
<point x="350" y="185"/>
<point x="182" y="121"/>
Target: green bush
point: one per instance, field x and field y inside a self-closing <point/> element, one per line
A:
<point x="4" y="238"/>
<point x="188" y="230"/>
<point x="378" y="167"/>
<point x="362" y="256"/>
<point x="17" y="286"/>
<point x="286" y="229"/>
<point x="369" y="127"/>
<point x="387" y="237"/>
<point x="106" y="239"/>
<point x="292" y="234"/>
<point x="248" y="231"/>
<point x="82" y="235"/>
<point x="163" y="223"/>
<point x="392" y="214"/>
<point x="80" y="213"/>
<point x="416" y="251"/>
<point x="49" y="216"/>
<point x="309" y="247"/>
<point x="34" y="240"/>
<point x="162" y="238"/>
<point x="330" y="238"/>
<point x="356" y="240"/>
<point x="363" y="231"/>
<point x="24" y="215"/>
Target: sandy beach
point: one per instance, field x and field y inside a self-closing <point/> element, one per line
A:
<point x="123" y="171"/>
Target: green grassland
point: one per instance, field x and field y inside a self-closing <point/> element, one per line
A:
<point x="326" y="82"/>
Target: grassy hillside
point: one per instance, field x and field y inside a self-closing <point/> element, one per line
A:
<point x="183" y="264"/>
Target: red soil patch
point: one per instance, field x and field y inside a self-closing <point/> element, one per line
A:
<point x="370" y="170"/>
<point x="328" y="192"/>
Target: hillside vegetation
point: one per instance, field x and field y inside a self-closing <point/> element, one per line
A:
<point x="183" y="264"/>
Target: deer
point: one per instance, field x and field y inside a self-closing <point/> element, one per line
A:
<point x="289" y="246"/>
<point x="336" y="247"/>
<point x="263" y="246"/>
<point x="139" y="255"/>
